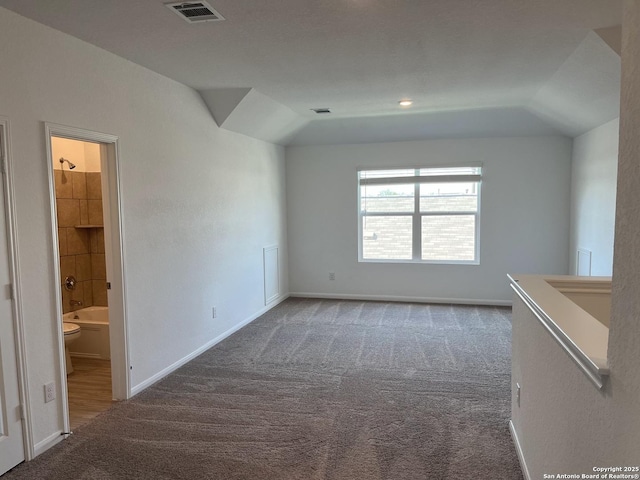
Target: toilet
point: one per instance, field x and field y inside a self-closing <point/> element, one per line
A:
<point x="71" y="333"/>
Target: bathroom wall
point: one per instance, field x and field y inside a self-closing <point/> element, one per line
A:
<point x="84" y="155"/>
<point x="79" y="205"/>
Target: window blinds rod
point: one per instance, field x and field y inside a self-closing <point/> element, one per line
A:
<point x="425" y="179"/>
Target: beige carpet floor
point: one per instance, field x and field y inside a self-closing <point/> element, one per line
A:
<point x="317" y="389"/>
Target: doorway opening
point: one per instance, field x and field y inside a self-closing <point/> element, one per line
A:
<point x="89" y="273"/>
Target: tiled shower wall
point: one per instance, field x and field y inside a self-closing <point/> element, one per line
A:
<point x="81" y="237"/>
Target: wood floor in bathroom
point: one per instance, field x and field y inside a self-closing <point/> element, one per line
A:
<point x="89" y="389"/>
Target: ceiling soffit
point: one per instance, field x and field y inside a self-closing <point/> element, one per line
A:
<point x="581" y="95"/>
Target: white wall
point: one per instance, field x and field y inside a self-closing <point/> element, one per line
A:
<point x="524" y="217"/>
<point x="594" y="168"/>
<point x="624" y="336"/>
<point x="564" y="424"/>
<point x="199" y="203"/>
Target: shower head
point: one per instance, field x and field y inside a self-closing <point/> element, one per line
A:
<point x="71" y="165"/>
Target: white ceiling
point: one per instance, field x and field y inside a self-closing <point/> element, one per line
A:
<point x="511" y="59"/>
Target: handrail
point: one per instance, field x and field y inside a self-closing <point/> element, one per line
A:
<point x="596" y="374"/>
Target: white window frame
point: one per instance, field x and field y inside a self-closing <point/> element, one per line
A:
<point x="416" y="214"/>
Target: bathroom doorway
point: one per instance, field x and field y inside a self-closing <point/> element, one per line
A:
<point x="89" y="275"/>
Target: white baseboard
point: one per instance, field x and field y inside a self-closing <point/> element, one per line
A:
<point x="174" y="366"/>
<point x="44" y="445"/>
<point x="397" y="298"/>
<point x="516" y="442"/>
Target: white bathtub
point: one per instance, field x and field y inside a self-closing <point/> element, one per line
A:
<point x="94" y="332"/>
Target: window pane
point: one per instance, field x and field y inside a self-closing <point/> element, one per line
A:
<point x="448" y="237"/>
<point x="387" y="238"/>
<point x="387" y="198"/>
<point x="449" y="197"/>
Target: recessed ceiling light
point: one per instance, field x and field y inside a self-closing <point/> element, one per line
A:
<point x="405" y="103"/>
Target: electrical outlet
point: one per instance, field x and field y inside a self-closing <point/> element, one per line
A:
<point x="49" y="392"/>
<point x="518" y="394"/>
<point x="214" y="312"/>
<point x="332" y="276"/>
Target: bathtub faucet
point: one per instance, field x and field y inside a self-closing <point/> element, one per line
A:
<point x="75" y="303"/>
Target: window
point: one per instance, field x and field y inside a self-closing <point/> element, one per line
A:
<point x="429" y="215"/>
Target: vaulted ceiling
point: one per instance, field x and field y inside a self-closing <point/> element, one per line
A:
<point x="471" y="67"/>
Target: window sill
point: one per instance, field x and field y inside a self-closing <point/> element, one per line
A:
<point x="421" y="262"/>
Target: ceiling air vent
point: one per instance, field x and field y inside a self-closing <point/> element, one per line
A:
<point x="195" y="12"/>
<point x="321" y="110"/>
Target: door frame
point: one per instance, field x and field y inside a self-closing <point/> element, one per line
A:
<point x="16" y="291"/>
<point x="118" y="326"/>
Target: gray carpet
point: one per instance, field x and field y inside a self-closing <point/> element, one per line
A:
<point x="317" y="389"/>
